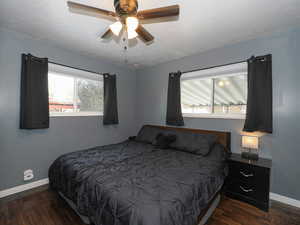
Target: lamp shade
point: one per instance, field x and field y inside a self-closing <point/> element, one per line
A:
<point x="132" y="34"/>
<point x="250" y="142"/>
<point x="116" y="28"/>
<point x="132" y="23"/>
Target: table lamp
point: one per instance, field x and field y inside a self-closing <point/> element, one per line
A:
<point x="250" y="146"/>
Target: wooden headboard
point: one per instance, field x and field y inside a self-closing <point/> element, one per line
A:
<point x="224" y="138"/>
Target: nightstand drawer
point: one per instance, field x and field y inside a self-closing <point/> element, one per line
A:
<point x="243" y="189"/>
<point x="247" y="173"/>
<point x="254" y="191"/>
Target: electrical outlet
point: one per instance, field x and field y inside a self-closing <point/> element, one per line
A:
<point x="28" y="174"/>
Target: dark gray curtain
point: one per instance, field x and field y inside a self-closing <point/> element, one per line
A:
<point x="34" y="112"/>
<point x="110" y="116"/>
<point x="259" y="116"/>
<point x="174" y="114"/>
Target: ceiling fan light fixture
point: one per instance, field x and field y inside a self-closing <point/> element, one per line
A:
<point x="132" y="23"/>
<point x="132" y="34"/>
<point x="116" y="28"/>
<point x="126" y="17"/>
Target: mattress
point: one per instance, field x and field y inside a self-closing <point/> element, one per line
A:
<point x="134" y="183"/>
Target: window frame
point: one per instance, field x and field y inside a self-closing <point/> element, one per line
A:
<point x="74" y="73"/>
<point x="74" y="114"/>
<point x="213" y="73"/>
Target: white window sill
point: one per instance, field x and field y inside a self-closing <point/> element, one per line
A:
<point x="215" y="116"/>
<point x="79" y="114"/>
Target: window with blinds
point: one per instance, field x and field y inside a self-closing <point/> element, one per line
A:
<point x="217" y="92"/>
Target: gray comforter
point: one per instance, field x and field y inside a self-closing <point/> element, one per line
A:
<point x="134" y="183"/>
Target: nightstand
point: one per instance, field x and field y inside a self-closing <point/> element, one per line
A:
<point x="249" y="181"/>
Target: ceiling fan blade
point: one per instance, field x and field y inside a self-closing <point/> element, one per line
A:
<point x="169" y="11"/>
<point x="107" y="34"/>
<point x="90" y="11"/>
<point x="144" y="34"/>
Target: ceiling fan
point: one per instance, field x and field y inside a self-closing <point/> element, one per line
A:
<point x="127" y="17"/>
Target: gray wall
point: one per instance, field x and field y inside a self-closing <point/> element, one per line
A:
<point x="283" y="145"/>
<point x="22" y="149"/>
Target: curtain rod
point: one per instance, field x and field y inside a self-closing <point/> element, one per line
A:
<point x="211" y="67"/>
<point x="72" y="67"/>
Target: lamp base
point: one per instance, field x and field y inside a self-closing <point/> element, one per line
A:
<point x="249" y="155"/>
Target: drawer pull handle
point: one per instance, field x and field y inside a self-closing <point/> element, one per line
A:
<point x="246" y="175"/>
<point x="246" y="190"/>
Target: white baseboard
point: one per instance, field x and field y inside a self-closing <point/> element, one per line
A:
<point x="286" y="200"/>
<point x="24" y="187"/>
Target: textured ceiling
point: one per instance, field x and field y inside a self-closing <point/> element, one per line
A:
<point x="203" y="25"/>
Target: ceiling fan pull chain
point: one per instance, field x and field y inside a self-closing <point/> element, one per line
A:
<point x="125" y="48"/>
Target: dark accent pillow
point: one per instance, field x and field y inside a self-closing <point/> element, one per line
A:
<point x="163" y="141"/>
<point x="131" y="138"/>
<point x="195" y="143"/>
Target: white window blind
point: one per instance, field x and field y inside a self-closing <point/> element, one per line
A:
<point x="218" y="92"/>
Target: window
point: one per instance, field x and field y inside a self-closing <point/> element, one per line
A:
<point x="218" y="92"/>
<point x="74" y="92"/>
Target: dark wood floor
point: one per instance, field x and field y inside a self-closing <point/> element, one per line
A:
<point x="45" y="207"/>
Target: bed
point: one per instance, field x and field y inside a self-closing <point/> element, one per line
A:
<point x="138" y="183"/>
